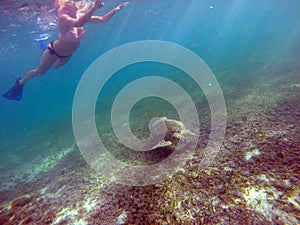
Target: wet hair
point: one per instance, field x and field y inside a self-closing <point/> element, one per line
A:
<point x="62" y="4"/>
<point x="83" y="6"/>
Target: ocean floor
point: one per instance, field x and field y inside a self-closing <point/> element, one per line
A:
<point x="255" y="178"/>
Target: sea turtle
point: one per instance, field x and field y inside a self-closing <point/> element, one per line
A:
<point x="167" y="133"/>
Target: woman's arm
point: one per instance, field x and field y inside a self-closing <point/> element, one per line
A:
<point x="81" y="19"/>
<point x="106" y="17"/>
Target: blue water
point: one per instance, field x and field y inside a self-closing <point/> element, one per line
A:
<point x="235" y="37"/>
<point x="220" y="32"/>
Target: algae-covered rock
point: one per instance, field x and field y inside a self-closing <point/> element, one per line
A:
<point x="21" y="201"/>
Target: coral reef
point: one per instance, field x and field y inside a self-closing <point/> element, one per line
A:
<point x="255" y="178"/>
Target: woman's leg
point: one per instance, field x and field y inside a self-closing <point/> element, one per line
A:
<point x="61" y="61"/>
<point x="46" y="61"/>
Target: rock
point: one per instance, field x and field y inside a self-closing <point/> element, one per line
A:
<point x="122" y="218"/>
<point x="19" y="202"/>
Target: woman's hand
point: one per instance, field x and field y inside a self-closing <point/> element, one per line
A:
<point x="98" y="4"/>
<point x="118" y="8"/>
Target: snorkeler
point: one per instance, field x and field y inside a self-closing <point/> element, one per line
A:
<point x="71" y="21"/>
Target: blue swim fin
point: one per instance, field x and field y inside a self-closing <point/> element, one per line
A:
<point x="15" y="92"/>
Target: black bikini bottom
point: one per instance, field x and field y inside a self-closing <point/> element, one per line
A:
<point x="52" y="51"/>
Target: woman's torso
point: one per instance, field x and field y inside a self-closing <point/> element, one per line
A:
<point x="68" y="38"/>
<point x="69" y="33"/>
